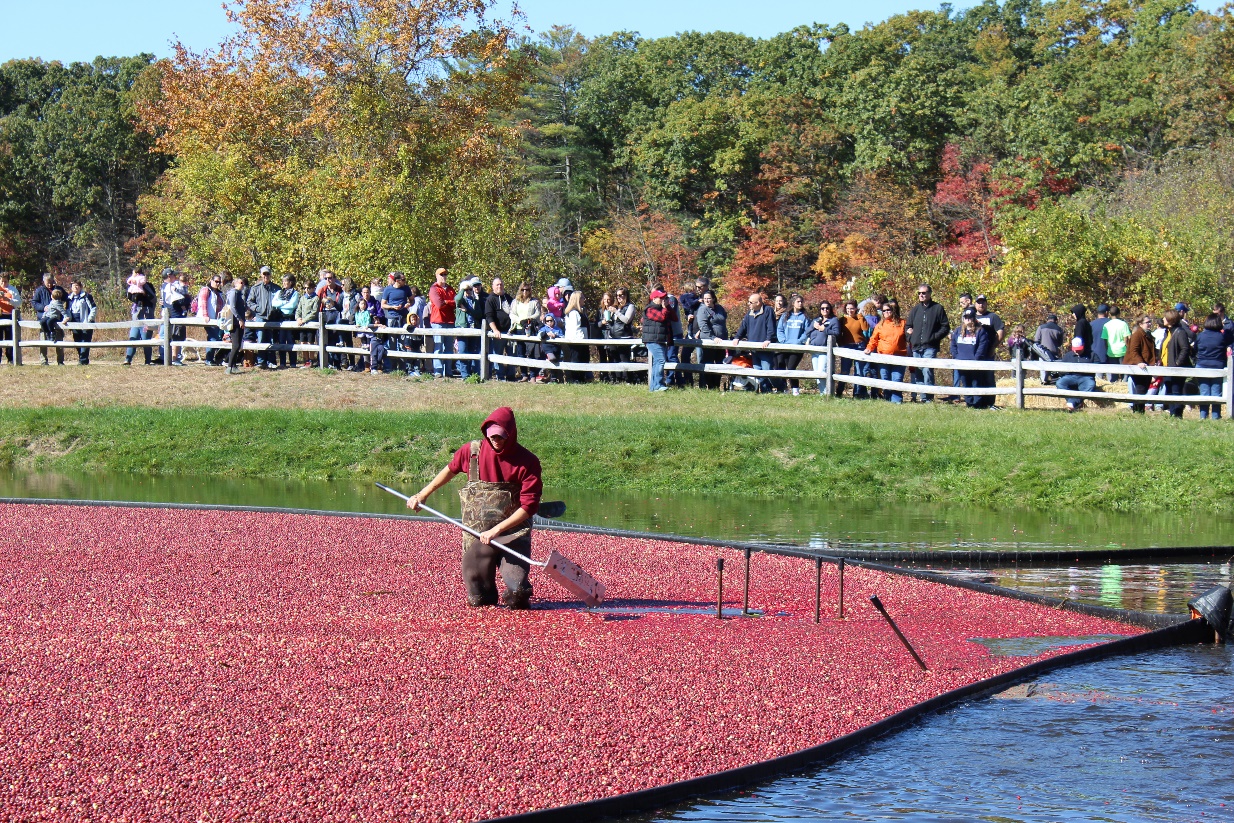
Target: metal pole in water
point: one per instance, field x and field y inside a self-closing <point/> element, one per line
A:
<point x="745" y="595"/>
<point x="720" y="588"/>
<point x="878" y="605"/>
<point x="841" y="567"/>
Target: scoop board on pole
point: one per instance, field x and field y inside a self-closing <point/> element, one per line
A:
<point x="567" y="574"/>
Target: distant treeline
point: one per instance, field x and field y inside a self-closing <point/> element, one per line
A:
<point x="1039" y="152"/>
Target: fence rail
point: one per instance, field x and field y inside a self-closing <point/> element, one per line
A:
<point x="491" y="345"/>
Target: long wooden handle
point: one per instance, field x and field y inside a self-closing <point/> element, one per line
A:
<point x="465" y="528"/>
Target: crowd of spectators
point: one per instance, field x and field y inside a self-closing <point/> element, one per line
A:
<point x="384" y="316"/>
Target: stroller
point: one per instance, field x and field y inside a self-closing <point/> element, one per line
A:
<point x="1037" y="352"/>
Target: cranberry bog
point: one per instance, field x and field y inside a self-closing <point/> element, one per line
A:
<point x="211" y="665"/>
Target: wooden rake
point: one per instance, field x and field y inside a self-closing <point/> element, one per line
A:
<point x="568" y="574"/>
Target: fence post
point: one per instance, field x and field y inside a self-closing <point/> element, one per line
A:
<point x="17" y="336"/>
<point x="166" y="338"/>
<point x="483" y="354"/>
<point x="1227" y="391"/>
<point x="1019" y="379"/>
<point x="321" y="339"/>
<point x="830" y="360"/>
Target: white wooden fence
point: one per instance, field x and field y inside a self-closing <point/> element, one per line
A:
<point x="485" y="358"/>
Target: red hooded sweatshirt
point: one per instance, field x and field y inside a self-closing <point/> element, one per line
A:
<point x="514" y="464"/>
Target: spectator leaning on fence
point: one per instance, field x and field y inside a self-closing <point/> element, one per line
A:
<point x="711" y="322"/>
<point x="525" y="321"/>
<point x="623" y="328"/>
<point x="441" y="316"/>
<point x="658" y="320"/>
<point x="574" y="331"/>
<point x="497" y="307"/>
<point x="888" y="337"/>
<point x="927" y="327"/>
<point x="175" y="299"/>
<point x="1141" y="353"/>
<point x="82" y="309"/>
<point x="10" y="301"/>
<point x="759" y="326"/>
<point x="854" y="332"/>
<point x="142" y="298"/>
<point x="826" y="327"/>
<point x="39" y="301"/>
<point x="1114" y="335"/>
<point x="972" y="341"/>
<point x="284" y="304"/>
<point x="1175" y="354"/>
<point x="307" y="308"/>
<point x="1211" y="349"/>
<point x="260" y="306"/>
<point x="54" y="313"/>
<point x="209" y="304"/>
<point x="1076" y="381"/>
<point x="793" y="329"/>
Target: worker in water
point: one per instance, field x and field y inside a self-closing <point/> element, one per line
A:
<point x="502" y="493"/>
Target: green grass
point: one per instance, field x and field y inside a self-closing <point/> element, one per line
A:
<point x="616" y="438"/>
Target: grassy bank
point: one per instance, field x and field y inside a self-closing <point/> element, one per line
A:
<point x="621" y="439"/>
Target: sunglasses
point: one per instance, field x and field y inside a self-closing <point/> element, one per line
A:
<point x="887" y="311"/>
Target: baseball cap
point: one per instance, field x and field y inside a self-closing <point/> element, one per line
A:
<point x="659" y="293"/>
<point x="970" y="313"/>
<point x="264" y="270"/>
<point x="495" y="430"/>
<point x="980" y="299"/>
<point x="1181" y="307"/>
<point x="565" y="285"/>
<point x="1103" y="308"/>
<point x="1077" y="344"/>
<point x="441" y="271"/>
<point x="169" y="272"/>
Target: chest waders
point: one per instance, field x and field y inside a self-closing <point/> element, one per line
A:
<point x="486" y="504"/>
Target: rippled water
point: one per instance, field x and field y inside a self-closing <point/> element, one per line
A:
<point x="1143" y="738"/>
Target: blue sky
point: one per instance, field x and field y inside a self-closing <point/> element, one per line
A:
<point x="69" y="30"/>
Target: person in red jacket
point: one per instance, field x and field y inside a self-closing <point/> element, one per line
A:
<point x="503" y="491"/>
<point x="441" y="316"/>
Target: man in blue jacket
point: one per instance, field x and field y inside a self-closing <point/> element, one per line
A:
<point x="42" y="296"/>
<point x="759" y="326"/>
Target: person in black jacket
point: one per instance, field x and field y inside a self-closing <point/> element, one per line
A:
<point x="1083" y="328"/>
<point x="759" y="326"/>
<point x="42" y="296"/>
<point x="237" y="306"/>
<point x="1176" y="354"/>
<point x="497" y="321"/>
<point x="927" y="328"/>
<point x="658" y="320"/>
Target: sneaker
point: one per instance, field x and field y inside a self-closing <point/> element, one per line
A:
<point x="272" y="366"/>
<point x="796" y="392"/>
<point x="305" y="366"/>
<point x="177" y="362"/>
<point x="374" y="371"/>
<point x="44" y="363"/>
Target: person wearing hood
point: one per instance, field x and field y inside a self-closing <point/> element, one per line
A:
<point x="504" y="485"/>
<point x="1083" y="328"/>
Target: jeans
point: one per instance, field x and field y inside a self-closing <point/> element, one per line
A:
<point x="924" y="376"/>
<point x="468" y="345"/>
<point x="858" y="368"/>
<point x="261" y="337"/>
<point x="657" y="356"/>
<point x="819" y="362"/>
<point x="1138" y="385"/>
<point x="1210" y="387"/>
<point x="138" y="333"/>
<point x="439" y="347"/>
<point x="684" y="378"/>
<point x="1076" y="382"/>
<point x="896" y="375"/>
<point x="500" y="371"/>
<point x="763" y="361"/>
<point x="214" y="335"/>
<point x="1174" y="386"/>
<point x="86" y="335"/>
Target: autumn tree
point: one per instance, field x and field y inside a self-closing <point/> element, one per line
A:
<point x="352" y="133"/>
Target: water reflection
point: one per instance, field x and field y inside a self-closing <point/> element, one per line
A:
<point x="825" y="525"/>
<point x="1144" y="738"/>
<point x="1159" y="588"/>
